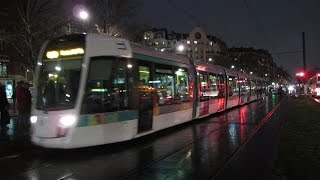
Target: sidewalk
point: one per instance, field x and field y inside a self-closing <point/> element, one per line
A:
<point x="299" y="145"/>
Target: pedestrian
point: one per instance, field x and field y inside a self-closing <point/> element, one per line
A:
<point x="4" y="108"/>
<point x="22" y="105"/>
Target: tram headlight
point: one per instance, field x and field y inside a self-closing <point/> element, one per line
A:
<point x="67" y="121"/>
<point x="33" y="119"/>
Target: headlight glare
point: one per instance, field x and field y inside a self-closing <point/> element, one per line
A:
<point x="67" y="121"/>
<point x="33" y="119"/>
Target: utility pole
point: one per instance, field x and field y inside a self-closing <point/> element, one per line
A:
<point x="304" y="63"/>
<point x="304" y="52"/>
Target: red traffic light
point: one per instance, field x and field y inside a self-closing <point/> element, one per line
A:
<point x="300" y="74"/>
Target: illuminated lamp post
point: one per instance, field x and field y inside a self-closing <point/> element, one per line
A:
<point x="180" y="49"/>
<point x="83" y="15"/>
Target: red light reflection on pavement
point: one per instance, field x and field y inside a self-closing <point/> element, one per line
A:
<point x="317" y="100"/>
<point x="242" y="115"/>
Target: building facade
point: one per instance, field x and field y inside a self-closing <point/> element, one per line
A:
<point x="197" y="45"/>
<point x="10" y="71"/>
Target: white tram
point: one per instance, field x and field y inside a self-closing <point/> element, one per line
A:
<point x="314" y="85"/>
<point x="94" y="89"/>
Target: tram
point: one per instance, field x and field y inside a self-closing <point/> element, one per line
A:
<point x="92" y="89"/>
<point x="314" y="85"/>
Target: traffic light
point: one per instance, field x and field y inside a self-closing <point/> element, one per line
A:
<point x="300" y="74"/>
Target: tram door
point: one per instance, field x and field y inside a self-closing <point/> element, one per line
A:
<point x="145" y="99"/>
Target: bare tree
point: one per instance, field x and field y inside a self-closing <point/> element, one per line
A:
<point x="35" y="21"/>
<point x="112" y="15"/>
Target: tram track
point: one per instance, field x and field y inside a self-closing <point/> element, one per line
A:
<point x="232" y="156"/>
<point x="162" y="157"/>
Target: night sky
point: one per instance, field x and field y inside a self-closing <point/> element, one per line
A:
<point x="275" y="25"/>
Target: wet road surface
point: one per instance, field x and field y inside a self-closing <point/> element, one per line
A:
<point x="196" y="150"/>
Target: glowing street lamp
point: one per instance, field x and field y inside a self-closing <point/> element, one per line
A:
<point x="251" y="72"/>
<point x="180" y="48"/>
<point x="83" y="15"/>
<point x="232" y="67"/>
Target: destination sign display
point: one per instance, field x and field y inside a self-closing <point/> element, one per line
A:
<point x="64" y="53"/>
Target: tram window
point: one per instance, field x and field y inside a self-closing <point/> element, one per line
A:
<point x="58" y="89"/>
<point x="164" y="83"/>
<point x="106" y="88"/>
<point x="213" y="85"/>
<point x="204" y="88"/>
<point x="144" y="75"/>
<point x="221" y="85"/>
<point x="182" y="85"/>
<point x="244" y="86"/>
<point x="233" y="88"/>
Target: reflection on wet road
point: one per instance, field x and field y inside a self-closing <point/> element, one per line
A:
<point x="193" y="150"/>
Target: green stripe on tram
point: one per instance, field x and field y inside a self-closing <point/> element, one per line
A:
<point x="105" y="118"/>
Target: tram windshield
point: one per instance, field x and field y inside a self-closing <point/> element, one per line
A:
<point x="59" y="74"/>
<point x="58" y="84"/>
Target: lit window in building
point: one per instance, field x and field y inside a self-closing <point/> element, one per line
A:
<point x="211" y="43"/>
<point x="188" y="42"/>
<point x="157" y="43"/>
<point x="196" y="42"/>
<point x="196" y="49"/>
<point x="3" y="70"/>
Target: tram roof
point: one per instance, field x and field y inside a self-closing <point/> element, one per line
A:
<point x="146" y="51"/>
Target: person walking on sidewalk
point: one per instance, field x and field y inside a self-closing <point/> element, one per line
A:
<point x="4" y="108"/>
<point x="22" y="98"/>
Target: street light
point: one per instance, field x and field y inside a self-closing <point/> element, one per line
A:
<point x="180" y="48"/>
<point x="251" y="72"/>
<point x="232" y="67"/>
<point x="83" y="15"/>
<point x="210" y="59"/>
